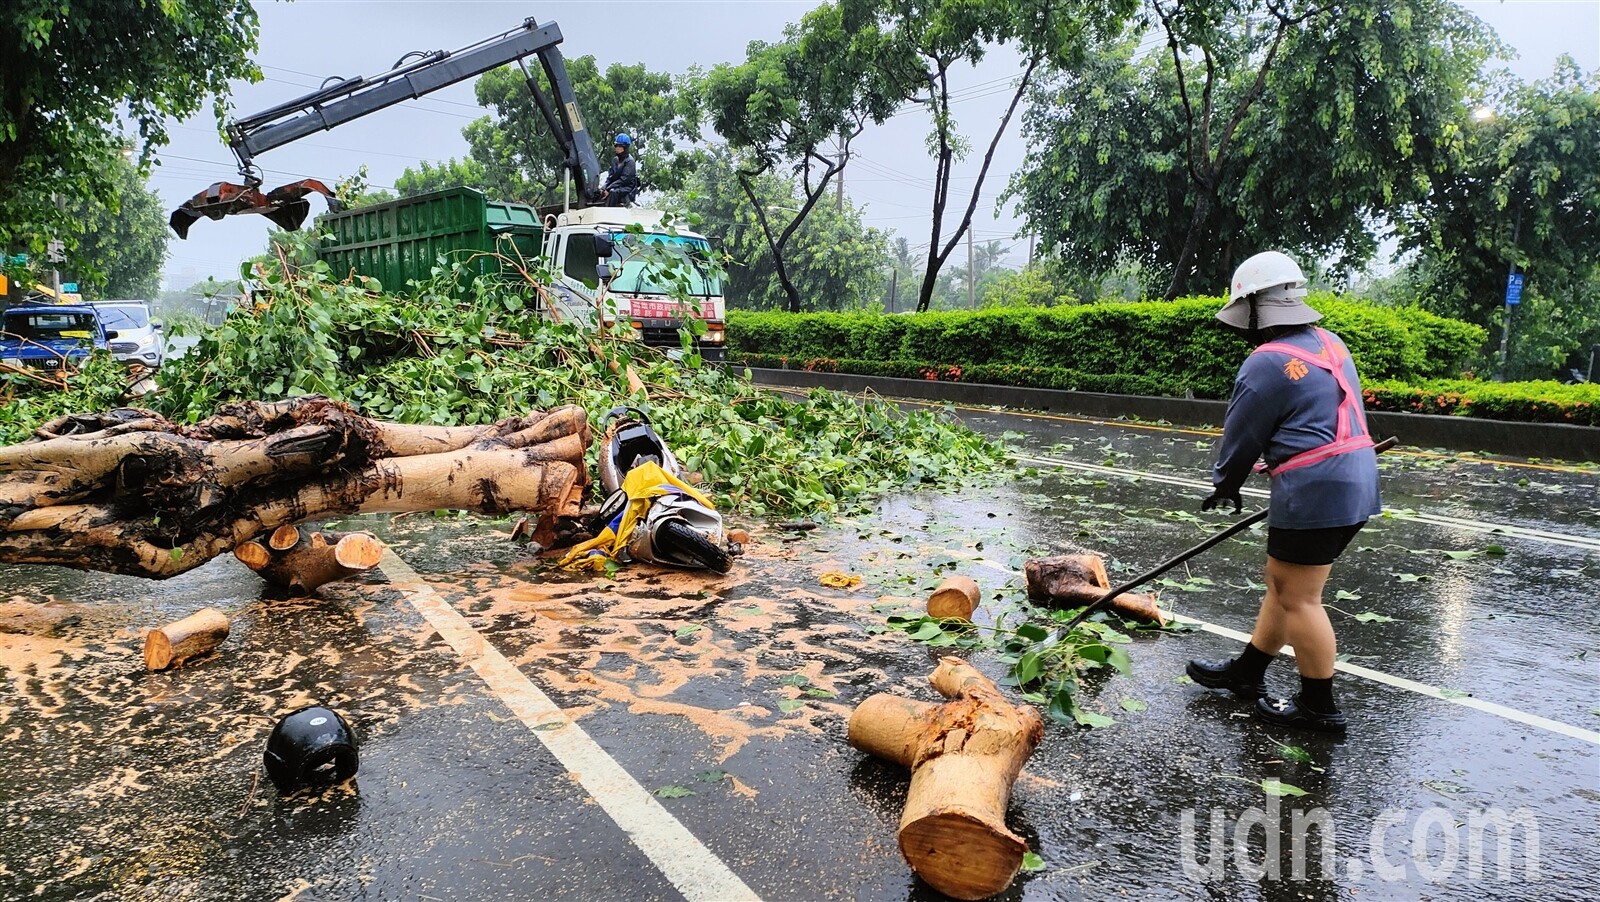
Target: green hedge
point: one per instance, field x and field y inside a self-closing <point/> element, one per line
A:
<point x="1527" y="402"/>
<point x="1175" y="343"/>
<point x="983" y="373"/>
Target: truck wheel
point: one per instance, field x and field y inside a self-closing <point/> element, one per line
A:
<point x="680" y="541"/>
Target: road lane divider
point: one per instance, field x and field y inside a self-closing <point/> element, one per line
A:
<point x="1583" y="543"/>
<point x="692" y="868"/>
<point x="1378" y="676"/>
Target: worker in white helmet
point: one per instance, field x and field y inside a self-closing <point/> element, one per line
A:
<point x="1297" y="405"/>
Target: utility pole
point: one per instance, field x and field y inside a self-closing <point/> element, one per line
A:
<point x="1513" y="298"/>
<point x="972" y="296"/>
<point x="894" y="285"/>
<point x="844" y="154"/>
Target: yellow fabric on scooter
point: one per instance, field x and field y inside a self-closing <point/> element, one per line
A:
<point x="643" y="484"/>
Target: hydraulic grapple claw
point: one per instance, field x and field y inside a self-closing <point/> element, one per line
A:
<point x="285" y="206"/>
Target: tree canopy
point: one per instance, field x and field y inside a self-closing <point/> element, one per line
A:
<point x="71" y="70"/>
<point x="513" y="157"/>
<point x="123" y="239"/>
<point x="1234" y="127"/>
<point x="796" y="105"/>
<point x="834" y="261"/>
<point x="1528" y="192"/>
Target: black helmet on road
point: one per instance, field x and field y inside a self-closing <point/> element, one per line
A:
<point x="312" y="747"/>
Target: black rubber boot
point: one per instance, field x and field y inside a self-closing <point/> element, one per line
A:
<point x="1242" y="676"/>
<point x="1292" y="712"/>
<point x="1227" y="675"/>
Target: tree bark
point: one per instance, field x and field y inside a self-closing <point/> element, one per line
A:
<point x="302" y="560"/>
<point x="194" y="635"/>
<point x="1074" y="580"/>
<point x="128" y="492"/>
<point x="963" y="755"/>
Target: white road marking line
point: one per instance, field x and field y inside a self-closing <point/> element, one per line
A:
<point x="681" y="857"/>
<point x="1539" y="535"/>
<point x="1523" y="717"/>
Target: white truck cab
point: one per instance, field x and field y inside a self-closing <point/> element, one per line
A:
<point x="650" y="267"/>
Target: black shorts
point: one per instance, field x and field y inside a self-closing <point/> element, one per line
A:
<point x="1311" y="547"/>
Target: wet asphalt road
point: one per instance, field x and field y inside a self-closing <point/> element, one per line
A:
<point x="118" y="784"/>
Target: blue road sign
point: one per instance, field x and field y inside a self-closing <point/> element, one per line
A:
<point x="69" y="287"/>
<point x="1514" y="289"/>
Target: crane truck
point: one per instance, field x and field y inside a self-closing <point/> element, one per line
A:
<point x="591" y="249"/>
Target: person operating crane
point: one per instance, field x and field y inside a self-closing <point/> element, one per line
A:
<point x="622" y="179"/>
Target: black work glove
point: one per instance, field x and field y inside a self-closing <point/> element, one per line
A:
<point x="1221" y="498"/>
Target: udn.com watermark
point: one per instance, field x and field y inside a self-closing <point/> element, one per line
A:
<point x="1433" y="845"/>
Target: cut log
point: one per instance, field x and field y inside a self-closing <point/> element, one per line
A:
<point x="30" y="618"/>
<point x="1074" y="580"/>
<point x="128" y="492"/>
<point x="303" y="560"/>
<point x="196" y="634"/>
<point x="964" y="756"/>
<point x="956" y="597"/>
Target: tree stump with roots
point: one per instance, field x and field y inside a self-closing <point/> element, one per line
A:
<point x="129" y="492"/>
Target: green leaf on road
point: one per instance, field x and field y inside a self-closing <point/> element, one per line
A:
<point x="671" y="791"/>
<point x="688" y="630"/>
<point x="1132" y="705"/>
<point x="1280" y="788"/>
<point x="712" y="776"/>
<point x="1092" y="720"/>
<point x="789" y="705"/>
<point x="1454" y="693"/>
<point x="1032" y="862"/>
<point x="1372" y="617"/>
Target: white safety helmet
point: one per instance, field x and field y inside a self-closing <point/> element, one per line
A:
<point x="1277" y="287"/>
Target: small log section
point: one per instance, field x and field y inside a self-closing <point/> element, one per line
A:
<point x="1074" y="580"/>
<point x="302" y="560"/>
<point x="964" y="755"/>
<point x="194" y="635"/>
<point x="956" y="597"/>
<point x="127" y="491"/>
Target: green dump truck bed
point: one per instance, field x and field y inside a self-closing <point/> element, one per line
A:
<point x="402" y="240"/>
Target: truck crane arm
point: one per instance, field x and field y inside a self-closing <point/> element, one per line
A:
<point x="414" y="75"/>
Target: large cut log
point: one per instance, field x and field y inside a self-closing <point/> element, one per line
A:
<point x="964" y="755"/>
<point x="127" y="492"/>
<point x="1074" y="580"/>
<point x="956" y="597"/>
<point x="194" y="635"/>
<point x="302" y="560"/>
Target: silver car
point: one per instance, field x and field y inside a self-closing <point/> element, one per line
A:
<point x="139" y="339"/>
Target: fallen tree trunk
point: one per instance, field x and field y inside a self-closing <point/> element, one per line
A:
<point x="194" y="635"/>
<point x="128" y="492"/>
<point x="1074" y="580"/>
<point x="963" y="755"/>
<point x="302" y="560"/>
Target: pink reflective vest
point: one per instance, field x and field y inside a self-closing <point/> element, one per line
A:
<point x="1351" y="432"/>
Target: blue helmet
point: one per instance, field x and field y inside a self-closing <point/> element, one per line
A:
<point x="624" y="140"/>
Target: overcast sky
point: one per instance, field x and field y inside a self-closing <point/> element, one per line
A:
<point x="890" y="176"/>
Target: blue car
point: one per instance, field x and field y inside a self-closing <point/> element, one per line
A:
<point x="51" y="337"/>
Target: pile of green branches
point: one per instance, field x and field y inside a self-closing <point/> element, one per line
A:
<point x="460" y="351"/>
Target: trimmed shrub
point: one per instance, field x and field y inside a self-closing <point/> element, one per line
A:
<point x="983" y="373"/>
<point x="1173" y="342"/>
<point x="1526" y="402"/>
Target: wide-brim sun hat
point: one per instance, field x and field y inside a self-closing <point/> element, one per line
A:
<point x="1281" y="306"/>
<point x="1276" y="285"/>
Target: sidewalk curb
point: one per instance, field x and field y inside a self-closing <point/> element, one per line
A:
<point x="1542" y="440"/>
